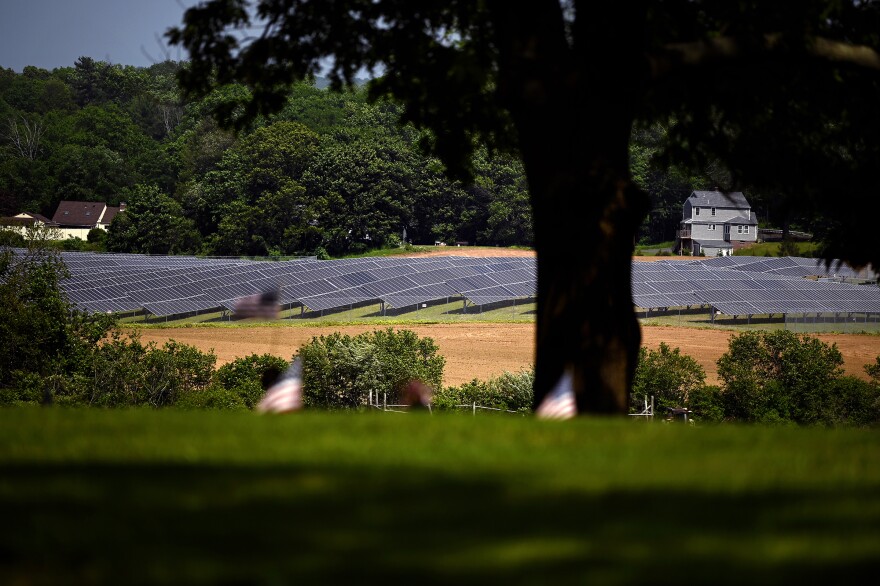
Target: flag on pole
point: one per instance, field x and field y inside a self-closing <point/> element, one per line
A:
<point x="261" y="305"/>
<point x="286" y="394"/>
<point x="560" y="402"/>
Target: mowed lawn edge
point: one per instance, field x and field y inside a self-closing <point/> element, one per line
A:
<point x="99" y="496"/>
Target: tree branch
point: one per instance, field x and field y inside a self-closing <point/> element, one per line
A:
<point x="682" y="56"/>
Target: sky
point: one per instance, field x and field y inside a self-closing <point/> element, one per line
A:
<point x="55" y="33"/>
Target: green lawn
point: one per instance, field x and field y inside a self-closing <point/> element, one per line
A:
<point x="170" y="497"/>
<point x="807" y="249"/>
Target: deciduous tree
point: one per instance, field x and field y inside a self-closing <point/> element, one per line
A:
<point x="784" y="93"/>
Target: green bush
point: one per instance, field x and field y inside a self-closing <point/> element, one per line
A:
<point x="122" y="372"/>
<point x="339" y="371"/>
<point x="852" y="401"/>
<point x="707" y="404"/>
<point x="12" y="238"/>
<point x="243" y="377"/>
<point x="779" y="376"/>
<point x="668" y="375"/>
<point x="509" y="391"/>
<point x="873" y="371"/>
<point x="42" y="332"/>
<point x="214" y="397"/>
<point x="25" y="388"/>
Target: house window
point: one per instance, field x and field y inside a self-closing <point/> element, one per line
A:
<point x="696" y="211"/>
<point x="713" y="211"/>
<point x="742" y="229"/>
<point x="712" y="227"/>
<point x="745" y="229"/>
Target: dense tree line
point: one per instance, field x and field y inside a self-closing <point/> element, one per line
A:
<point x="330" y="172"/>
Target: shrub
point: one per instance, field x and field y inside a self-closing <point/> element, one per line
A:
<point x="214" y="397"/>
<point x="339" y="371"/>
<point x="852" y="401"/>
<point x="667" y="375"/>
<point x="509" y="391"/>
<point x="243" y="377"/>
<point x="12" y="238"/>
<point x="779" y="376"/>
<point x="42" y="332"/>
<point x="25" y="388"/>
<point x="51" y="348"/>
<point x="122" y="372"/>
<point x="873" y="371"/>
<point x="707" y="404"/>
<point x="97" y="236"/>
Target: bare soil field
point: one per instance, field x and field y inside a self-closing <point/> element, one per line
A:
<point x="483" y="350"/>
<point x="488" y="251"/>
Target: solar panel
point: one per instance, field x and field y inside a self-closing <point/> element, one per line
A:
<point x="420" y="295"/>
<point x="125" y="282"/>
<point x="180" y="306"/>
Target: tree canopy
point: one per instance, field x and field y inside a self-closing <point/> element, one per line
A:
<point x="286" y="184"/>
<point x="782" y="94"/>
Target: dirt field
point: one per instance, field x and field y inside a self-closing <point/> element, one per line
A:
<point x="483" y="350"/>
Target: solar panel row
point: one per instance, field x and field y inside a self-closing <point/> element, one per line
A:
<point x="110" y="282"/>
<point x="165" y="286"/>
<point x="761" y="290"/>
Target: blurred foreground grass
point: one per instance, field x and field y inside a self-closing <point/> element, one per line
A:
<point x="167" y="497"/>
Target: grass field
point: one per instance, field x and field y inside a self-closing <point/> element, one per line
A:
<point x="169" y="497"/>
<point x="807" y="249"/>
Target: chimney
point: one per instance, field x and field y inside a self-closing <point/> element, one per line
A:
<point x="122" y="206"/>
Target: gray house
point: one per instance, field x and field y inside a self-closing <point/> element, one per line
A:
<point x="714" y="223"/>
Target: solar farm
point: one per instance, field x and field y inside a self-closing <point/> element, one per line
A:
<point x="177" y="286"/>
<point x="181" y="286"/>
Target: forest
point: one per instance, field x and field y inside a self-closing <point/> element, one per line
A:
<point x="330" y="174"/>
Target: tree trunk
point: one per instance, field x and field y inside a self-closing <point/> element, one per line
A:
<point x="586" y="213"/>
<point x="571" y="95"/>
<point x="587" y="329"/>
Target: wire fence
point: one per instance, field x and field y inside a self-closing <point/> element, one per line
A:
<point x="646" y="414"/>
<point x="386" y="407"/>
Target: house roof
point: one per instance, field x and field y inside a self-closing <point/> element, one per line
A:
<point x="79" y="213"/>
<point x="26" y="219"/>
<point x="714" y="243"/>
<point x="719" y="199"/>
<point x="753" y="221"/>
<point x="736" y="220"/>
<point x="16" y="221"/>
<point x="32" y="215"/>
<point x="109" y="214"/>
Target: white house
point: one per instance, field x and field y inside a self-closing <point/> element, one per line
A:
<point x="22" y="222"/>
<point x="76" y="218"/>
<point x="715" y="223"/>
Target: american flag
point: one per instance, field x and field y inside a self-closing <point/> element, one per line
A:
<point x="262" y="305"/>
<point x="286" y="394"/>
<point x="560" y="402"/>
